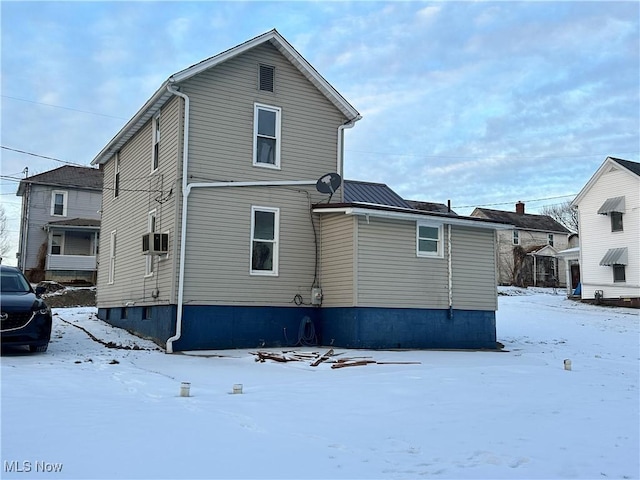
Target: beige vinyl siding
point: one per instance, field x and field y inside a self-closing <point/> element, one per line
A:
<point x="221" y="121"/>
<point x="390" y="274"/>
<point x="596" y="237"/>
<point x="140" y="192"/>
<point x="337" y="267"/>
<point x="218" y="247"/>
<point x="473" y="266"/>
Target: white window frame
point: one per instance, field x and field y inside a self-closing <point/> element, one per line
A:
<point x="151" y="227"/>
<point x="112" y="258"/>
<point x="116" y="176"/>
<point x="61" y="244"/>
<point x="278" y="137"/>
<point x="624" y="273"/>
<point x="550" y="239"/>
<point x="276" y="241"/>
<point x="65" y="196"/>
<point x="613" y="217"/>
<point x="439" y="253"/>
<point x="155" y="142"/>
<point x="516" y="237"/>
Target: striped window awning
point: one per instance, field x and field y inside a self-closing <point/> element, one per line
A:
<point x="615" y="204"/>
<point x="615" y="256"/>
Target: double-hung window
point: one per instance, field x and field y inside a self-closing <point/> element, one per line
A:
<point x="265" y="231"/>
<point x="151" y="227"/>
<point x="616" y="222"/>
<point x="116" y="176"/>
<point x="59" y="203"/>
<point x="550" y="239"/>
<point x="619" y="274"/>
<point x="429" y="240"/>
<point x="266" y="136"/>
<point x="516" y="237"/>
<point x="56" y="244"/>
<point x="112" y="257"/>
<point x="155" y="156"/>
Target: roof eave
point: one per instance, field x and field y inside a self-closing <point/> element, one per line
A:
<point x="408" y="214"/>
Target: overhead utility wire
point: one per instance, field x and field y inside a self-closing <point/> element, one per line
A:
<point x="509" y="203"/>
<point x="65" y="108"/>
<point x="476" y="157"/>
<point x="42" y="156"/>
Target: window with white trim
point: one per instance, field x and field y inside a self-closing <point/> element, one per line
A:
<point x="59" y="203"/>
<point x="619" y="273"/>
<point x="516" y="237"/>
<point x="550" y="239"/>
<point x="56" y="243"/>
<point x="266" y="136"/>
<point x="116" y="176"/>
<point x="429" y="240"/>
<point x="112" y="257"/>
<point x="616" y="222"/>
<point x="155" y="156"/>
<point x="265" y="231"/>
<point x="151" y="227"/>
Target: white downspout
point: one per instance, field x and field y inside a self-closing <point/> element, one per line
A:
<point x="183" y="228"/>
<point x="340" y="154"/>
<point x="450" y="263"/>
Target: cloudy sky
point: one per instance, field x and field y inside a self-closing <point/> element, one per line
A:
<point x="482" y="103"/>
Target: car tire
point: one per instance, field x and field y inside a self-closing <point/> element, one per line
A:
<point x="38" y="348"/>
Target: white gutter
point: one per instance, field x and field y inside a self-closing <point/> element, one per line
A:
<point x="410" y="215"/>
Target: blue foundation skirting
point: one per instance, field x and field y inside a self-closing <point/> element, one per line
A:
<point x="224" y="327"/>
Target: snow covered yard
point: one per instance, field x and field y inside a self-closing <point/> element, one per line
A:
<point x="90" y="411"/>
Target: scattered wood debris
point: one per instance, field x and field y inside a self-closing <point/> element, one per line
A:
<point x="316" y="358"/>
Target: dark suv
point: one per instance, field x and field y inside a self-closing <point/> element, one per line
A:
<point x="25" y="318"/>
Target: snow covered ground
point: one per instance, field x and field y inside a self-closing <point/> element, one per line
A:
<point x="84" y="410"/>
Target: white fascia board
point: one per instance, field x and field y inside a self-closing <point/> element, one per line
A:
<point x="132" y="126"/>
<point x="413" y="217"/>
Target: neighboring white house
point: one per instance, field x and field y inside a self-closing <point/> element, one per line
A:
<point x="609" y="222"/>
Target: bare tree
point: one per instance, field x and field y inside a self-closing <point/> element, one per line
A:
<point x="563" y="213"/>
<point x="5" y="241"/>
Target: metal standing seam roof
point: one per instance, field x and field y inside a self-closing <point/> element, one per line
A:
<point x="615" y="204"/>
<point x="615" y="256"/>
<point x="373" y="193"/>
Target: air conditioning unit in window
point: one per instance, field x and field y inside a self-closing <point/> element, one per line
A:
<point x="155" y="243"/>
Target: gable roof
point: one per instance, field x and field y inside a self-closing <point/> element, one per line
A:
<point x="372" y="193"/>
<point x="628" y="164"/>
<point x="162" y="95"/>
<point x="67" y="176"/>
<point x="525" y="221"/>
<point x="633" y="168"/>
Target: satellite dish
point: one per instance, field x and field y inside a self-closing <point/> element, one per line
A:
<point x="329" y="183"/>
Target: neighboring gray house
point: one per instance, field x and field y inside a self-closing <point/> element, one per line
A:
<point x="527" y="254"/>
<point x="60" y="224"/>
<point x="222" y="238"/>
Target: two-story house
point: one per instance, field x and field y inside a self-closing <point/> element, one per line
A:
<point x="609" y="222"/>
<point x="60" y="224"/>
<point x="235" y="230"/>
<point x="527" y="254"/>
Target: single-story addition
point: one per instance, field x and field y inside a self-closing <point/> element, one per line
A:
<point x="396" y="277"/>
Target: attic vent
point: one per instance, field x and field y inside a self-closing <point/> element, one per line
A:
<point x="266" y="78"/>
